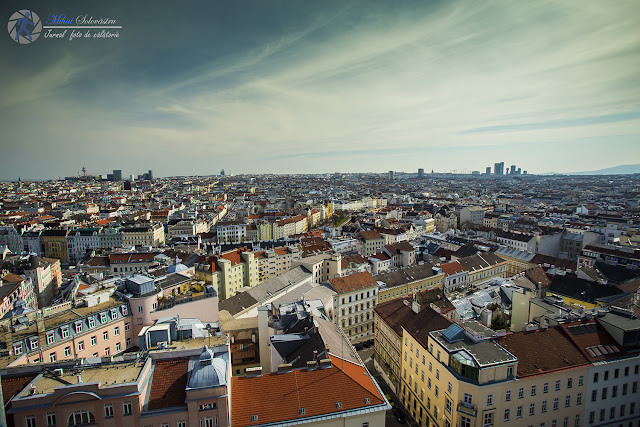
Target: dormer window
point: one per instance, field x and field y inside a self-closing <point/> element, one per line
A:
<point x="92" y="322"/>
<point x="78" y="327"/>
<point x="254" y="418"/>
<point x="339" y="405"/>
<point x="123" y="310"/>
<point x="302" y="411"/>
<point x="17" y="349"/>
<point x="103" y="317"/>
<point x="50" y="338"/>
<point x="114" y="313"/>
<point x="64" y="331"/>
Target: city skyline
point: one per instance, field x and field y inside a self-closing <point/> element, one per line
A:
<point x="280" y="87"/>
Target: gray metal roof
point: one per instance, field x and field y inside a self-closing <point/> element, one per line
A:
<point x="209" y="369"/>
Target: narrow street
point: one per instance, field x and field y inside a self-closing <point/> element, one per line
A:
<point x="390" y="420"/>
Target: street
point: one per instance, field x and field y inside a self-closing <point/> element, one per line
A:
<point x="390" y="420"/>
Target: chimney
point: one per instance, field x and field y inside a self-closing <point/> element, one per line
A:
<point x="254" y="372"/>
<point x="325" y="363"/>
<point x="285" y="367"/>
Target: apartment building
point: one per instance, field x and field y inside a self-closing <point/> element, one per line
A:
<point x="16" y="288"/>
<point x="231" y="231"/>
<point x="144" y="235"/>
<point x="460" y="376"/>
<point x="455" y="276"/>
<point x="520" y="242"/>
<point x="46" y="276"/>
<point x="407" y="281"/>
<point x="188" y="386"/>
<point x="54" y="244"/>
<point x="81" y="240"/>
<point x="372" y="242"/>
<point x="357" y="294"/>
<point x="323" y="267"/>
<point x="273" y="262"/>
<point x="483" y="266"/>
<point x="472" y="215"/>
<point x="411" y="313"/>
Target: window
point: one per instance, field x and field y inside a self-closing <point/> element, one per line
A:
<point x="577" y="420"/>
<point x="507" y="396"/>
<point x="557" y="385"/>
<point x="624" y="389"/>
<point x="594" y="395"/>
<point x="437" y="374"/>
<point x="80" y="418"/>
<point x="465" y="422"/>
<point x="595" y="377"/>
<point x="519" y="412"/>
<point x="533" y="390"/>
<point x="488" y="419"/>
<point x="34" y="344"/>
<point x="50" y="338"/>
<point x="140" y="309"/>
<point x="570" y="383"/>
<point x="107" y="351"/>
<point x="543" y="406"/>
<point x="616" y="373"/>
<point x="128" y="342"/>
<point x="556" y="404"/>
<point x="208" y="406"/>
<point x="437" y="391"/>
<point x="118" y="347"/>
<point x="506" y="415"/>
<point x="64" y="332"/>
<point x="447" y="405"/>
<point x="521" y="393"/>
<point x="614" y="391"/>
<point x="78" y="327"/>
<point x="182" y="424"/>
<point x="545" y="388"/>
<point x="108" y="410"/>
<point x="105" y="336"/>
<point x="67" y="351"/>
<point x="94" y="341"/>
<point x="17" y="349"/>
<point x="604" y="393"/>
<point x="31" y="421"/>
<point x="468" y="399"/>
<point x="490" y="400"/>
<point x="92" y="322"/>
<point x="126" y="408"/>
<point x="51" y="419"/>
<point x="114" y="313"/>
<point x="509" y="371"/>
<point x="116" y="331"/>
<point x="606" y="375"/>
<point x="52" y="357"/>
<point x="126" y="326"/>
<point x="532" y="409"/>
<point x="430" y="367"/>
<point x="302" y="411"/>
<point x="567" y="402"/>
<point x="580" y="381"/>
<point x="579" y="399"/>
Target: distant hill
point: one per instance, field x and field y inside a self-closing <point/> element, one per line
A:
<point x="615" y="170"/>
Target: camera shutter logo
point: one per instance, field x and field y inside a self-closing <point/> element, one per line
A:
<point x="24" y="26"/>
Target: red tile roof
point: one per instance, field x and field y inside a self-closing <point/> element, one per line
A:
<point x="13" y="386"/>
<point x="451" y="268"/>
<point x="168" y="387"/>
<point x="592" y="340"/>
<point x="353" y="282"/>
<point x="276" y="398"/>
<point x="542" y="351"/>
<point x="131" y="258"/>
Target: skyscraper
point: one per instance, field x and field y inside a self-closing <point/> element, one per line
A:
<point x="391" y="175"/>
<point x="420" y="173"/>
<point x="513" y="169"/>
<point x="488" y="172"/>
<point x="498" y="168"/>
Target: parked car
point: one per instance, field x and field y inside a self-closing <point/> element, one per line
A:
<point x="398" y="414"/>
<point x="391" y="402"/>
<point x="359" y="346"/>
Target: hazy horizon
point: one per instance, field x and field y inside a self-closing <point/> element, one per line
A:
<point x="305" y="87"/>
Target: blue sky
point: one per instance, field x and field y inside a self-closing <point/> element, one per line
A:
<point x="300" y="86"/>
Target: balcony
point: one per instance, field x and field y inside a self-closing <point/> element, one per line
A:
<point x="467" y="409"/>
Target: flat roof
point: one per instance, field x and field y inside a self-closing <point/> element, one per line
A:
<point x="485" y="353"/>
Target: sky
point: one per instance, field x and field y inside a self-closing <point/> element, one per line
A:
<point x="268" y="86"/>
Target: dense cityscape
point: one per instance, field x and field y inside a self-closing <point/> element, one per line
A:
<point x="276" y="213"/>
<point x="369" y="299"/>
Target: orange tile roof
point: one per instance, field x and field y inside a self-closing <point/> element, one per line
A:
<point x="276" y="398"/>
<point x="168" y="387"/>
<point x="534" y="357"/>
<point x="592" y="336"/>
<point x="353" y="282"/>
<point x="13" y="386"/>
<point x="451" y="268"/>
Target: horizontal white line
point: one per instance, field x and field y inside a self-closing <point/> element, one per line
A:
<point x="82" y="26"/>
